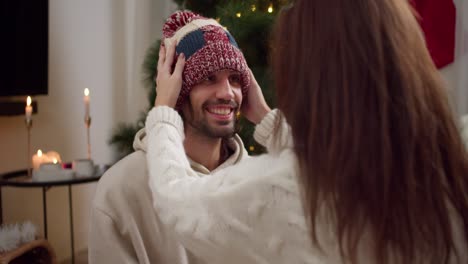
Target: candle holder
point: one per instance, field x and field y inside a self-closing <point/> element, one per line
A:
<point x="28" y="122"/>
<point x="88" y="125"/>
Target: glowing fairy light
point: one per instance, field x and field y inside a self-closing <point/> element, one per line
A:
<point x="270" y="9"/>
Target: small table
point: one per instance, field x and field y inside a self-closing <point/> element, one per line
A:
<point x="21" y="179"/>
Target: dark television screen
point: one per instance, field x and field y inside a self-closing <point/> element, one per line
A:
<point x="24" y="28"/>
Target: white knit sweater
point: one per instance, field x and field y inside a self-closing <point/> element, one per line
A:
<point x="247" y="213"/>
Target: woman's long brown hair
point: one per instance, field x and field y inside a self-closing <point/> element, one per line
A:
<point x="375" y="137"/>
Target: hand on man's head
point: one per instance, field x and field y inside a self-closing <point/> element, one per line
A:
<point x="168" y="83"/>
<point x="254" y="107"/>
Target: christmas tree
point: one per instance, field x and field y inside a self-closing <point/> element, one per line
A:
<point x="250" y="22"/>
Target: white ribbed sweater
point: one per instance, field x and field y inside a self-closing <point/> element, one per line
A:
<point x="247" y="213"/>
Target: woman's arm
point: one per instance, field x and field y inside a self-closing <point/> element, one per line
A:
<point x="208" y="211"/>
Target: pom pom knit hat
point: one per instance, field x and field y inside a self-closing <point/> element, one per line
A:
<point x="207" y="47"/>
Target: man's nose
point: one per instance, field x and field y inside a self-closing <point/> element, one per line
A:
<point x="225" y="90"/>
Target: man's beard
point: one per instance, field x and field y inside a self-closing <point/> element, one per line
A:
<point x="202" y="126"/>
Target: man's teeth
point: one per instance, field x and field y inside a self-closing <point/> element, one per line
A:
<point x="220" y="111"/>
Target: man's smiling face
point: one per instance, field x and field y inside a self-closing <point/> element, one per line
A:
<point x="213" y="103"/>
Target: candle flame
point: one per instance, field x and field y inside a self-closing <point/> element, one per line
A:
<point x="270" y="8"/>
<point x="238" y="14"/>
<point x="86" y="92"/>
<point x="28" y="101"/>
<point x="54" y="161"/>
<point x="39" y="153"/>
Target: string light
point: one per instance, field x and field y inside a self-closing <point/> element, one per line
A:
<point x="254" y="8"/>
<point x="238" y="15"/>
<point x="251" y="148"/>
<point x="270" y="8"/>
<point x="218" y="19"/>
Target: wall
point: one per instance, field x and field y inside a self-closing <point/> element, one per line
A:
<point x="455" y="77"/>
<point x="94" y="44"/>
<point x="449" y="73"/>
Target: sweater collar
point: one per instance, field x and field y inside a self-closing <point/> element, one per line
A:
<point x="236" y="146"/>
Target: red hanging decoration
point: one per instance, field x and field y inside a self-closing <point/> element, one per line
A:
<point x="437" y="20"/>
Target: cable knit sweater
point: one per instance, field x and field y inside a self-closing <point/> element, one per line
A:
<point x="248" y="213"/>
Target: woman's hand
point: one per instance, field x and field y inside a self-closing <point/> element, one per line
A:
<point x="255" y="107"/>
<point x="168" y="84"/>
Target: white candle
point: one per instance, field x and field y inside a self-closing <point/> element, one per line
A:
<point x="37" y="159"/>
<point x="28" y="109"/>
<point x="86" y="102"/>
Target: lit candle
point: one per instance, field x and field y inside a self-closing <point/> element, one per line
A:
<point x="28" y="109"/>
<point x="270" y="8"/>
<point x="51" y="157"/>
<point x="86" y="102"/>
<point x="37" y="159"/>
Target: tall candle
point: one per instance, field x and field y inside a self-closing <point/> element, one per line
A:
<point x="28" y="109"/>
<point x="86" y="102"/>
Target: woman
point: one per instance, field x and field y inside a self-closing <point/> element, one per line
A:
<point x="371" y="168"/>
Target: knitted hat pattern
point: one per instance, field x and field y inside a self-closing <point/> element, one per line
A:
<point x="207" y="47"/>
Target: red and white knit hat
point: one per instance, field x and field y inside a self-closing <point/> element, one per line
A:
<point x="207" y="47"/>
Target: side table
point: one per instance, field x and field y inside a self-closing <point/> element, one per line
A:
<point x="20" y="179"/>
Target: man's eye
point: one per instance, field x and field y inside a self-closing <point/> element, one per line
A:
<point x="210" y="79"/>
<point x="234" y="78"/>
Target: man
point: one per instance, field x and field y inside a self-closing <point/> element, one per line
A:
<point x="124" y="226"/>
